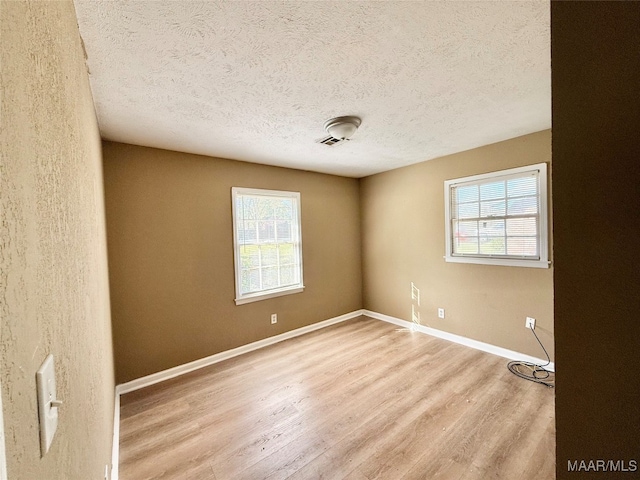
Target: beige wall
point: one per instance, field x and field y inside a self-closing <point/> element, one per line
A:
<point x="404" y="242"/>
<point x="596" y="192"/>
<point x="53" y="271"/>
<point x="171" y="255"/>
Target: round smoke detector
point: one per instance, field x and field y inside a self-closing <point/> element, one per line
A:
<point x="342" y="128"/>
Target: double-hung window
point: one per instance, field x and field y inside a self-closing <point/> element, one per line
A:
<point x="498" y="218"/>
<point x="267" y="243"/>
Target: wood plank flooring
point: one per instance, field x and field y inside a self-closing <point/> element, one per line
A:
<point x="359" y="400"/>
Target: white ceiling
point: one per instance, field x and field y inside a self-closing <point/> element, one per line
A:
<point x="255" y="81"/>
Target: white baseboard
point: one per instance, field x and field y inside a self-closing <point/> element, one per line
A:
<point x="219" y="357"/>
<point x="203" y="362"/>
<point x="468" y="342"/>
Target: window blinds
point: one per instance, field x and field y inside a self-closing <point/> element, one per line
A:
<point x="497" y="217"/>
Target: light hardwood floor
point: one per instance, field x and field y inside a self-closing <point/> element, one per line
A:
<point x="359" y="400"/>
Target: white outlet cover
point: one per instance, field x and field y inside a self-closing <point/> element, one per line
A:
<point x="441" y="313"/>
<point x="46" y="384"/>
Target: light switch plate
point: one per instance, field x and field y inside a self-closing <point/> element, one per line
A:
<point x="47" y="403"/>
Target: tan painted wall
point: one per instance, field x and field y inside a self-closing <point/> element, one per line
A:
<point x="596" y="191"/>
<point x="53" y="266"/>
<point x="171" y="255"/>
<point x="404" y="242"/>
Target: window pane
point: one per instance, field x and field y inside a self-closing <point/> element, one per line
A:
<point x="492" y="246"/>
<point x="284" y="209"/>
<point x="518" y="187"/>
<point x="245" y="282"/>
<point x="521" y="227"/>
<point x="249" y="207"/>
<point x="241" y="235"/>
<point x="269" y="278"/>
<point x="249" y="256"/>
<point x="283" y="230"/>
<point x="466" y="194"/>
<point x="269" y="206"/>
<point x="247" y="232"/>
<point x="466" y="237"/>
<point x="525" y="246"/>
<point x="250" y="280"/>
<point x="466" y="229"/>
<point x="491" y="228"/>
<point x="522" y="206"/>
<point x="287" y="275"/>
<point x="287" y="254"/>
<point x="492" y="209"/>
<point x="468" y="210"/>
<point x="267" y="231"/>
<point x="491" y="235"/>
<point x="269" y="255"/>
<point x="490" y="191"/>
<point x="464" y="245"/>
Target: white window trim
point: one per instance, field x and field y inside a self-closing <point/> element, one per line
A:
<point x="274" y="292"/>
<point x="543" y="238"/>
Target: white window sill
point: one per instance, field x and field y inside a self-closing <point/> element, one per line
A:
<point x="255" y="297"/>
<point x="506" y="262"/>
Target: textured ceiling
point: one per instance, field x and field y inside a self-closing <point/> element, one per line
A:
<point x="255" y="81"/>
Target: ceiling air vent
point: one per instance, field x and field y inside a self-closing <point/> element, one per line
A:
<point x="331" y="141"/>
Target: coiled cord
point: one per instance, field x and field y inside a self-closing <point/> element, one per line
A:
<point x="532" y="371"/>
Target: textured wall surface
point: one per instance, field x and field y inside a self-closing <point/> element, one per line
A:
<point x="53" y="271"/>
<point x="171" y="267"/>
<point x="255" y="81"/>
<point x="403" y="241"/>
<point x="596" y="193"/>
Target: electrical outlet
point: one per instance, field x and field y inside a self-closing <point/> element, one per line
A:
<point x="441" y="313"/>
<point x="530" y="323"/>
<point x="274" y="318"/>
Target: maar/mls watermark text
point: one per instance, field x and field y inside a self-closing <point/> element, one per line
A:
<point x="602" y="466"/>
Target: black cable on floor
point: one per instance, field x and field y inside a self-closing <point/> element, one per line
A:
<point x="532" y="371"/>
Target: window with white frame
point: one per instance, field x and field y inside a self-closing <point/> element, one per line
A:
<point x="267" y="243"/>
<point x="498" y="218"/>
